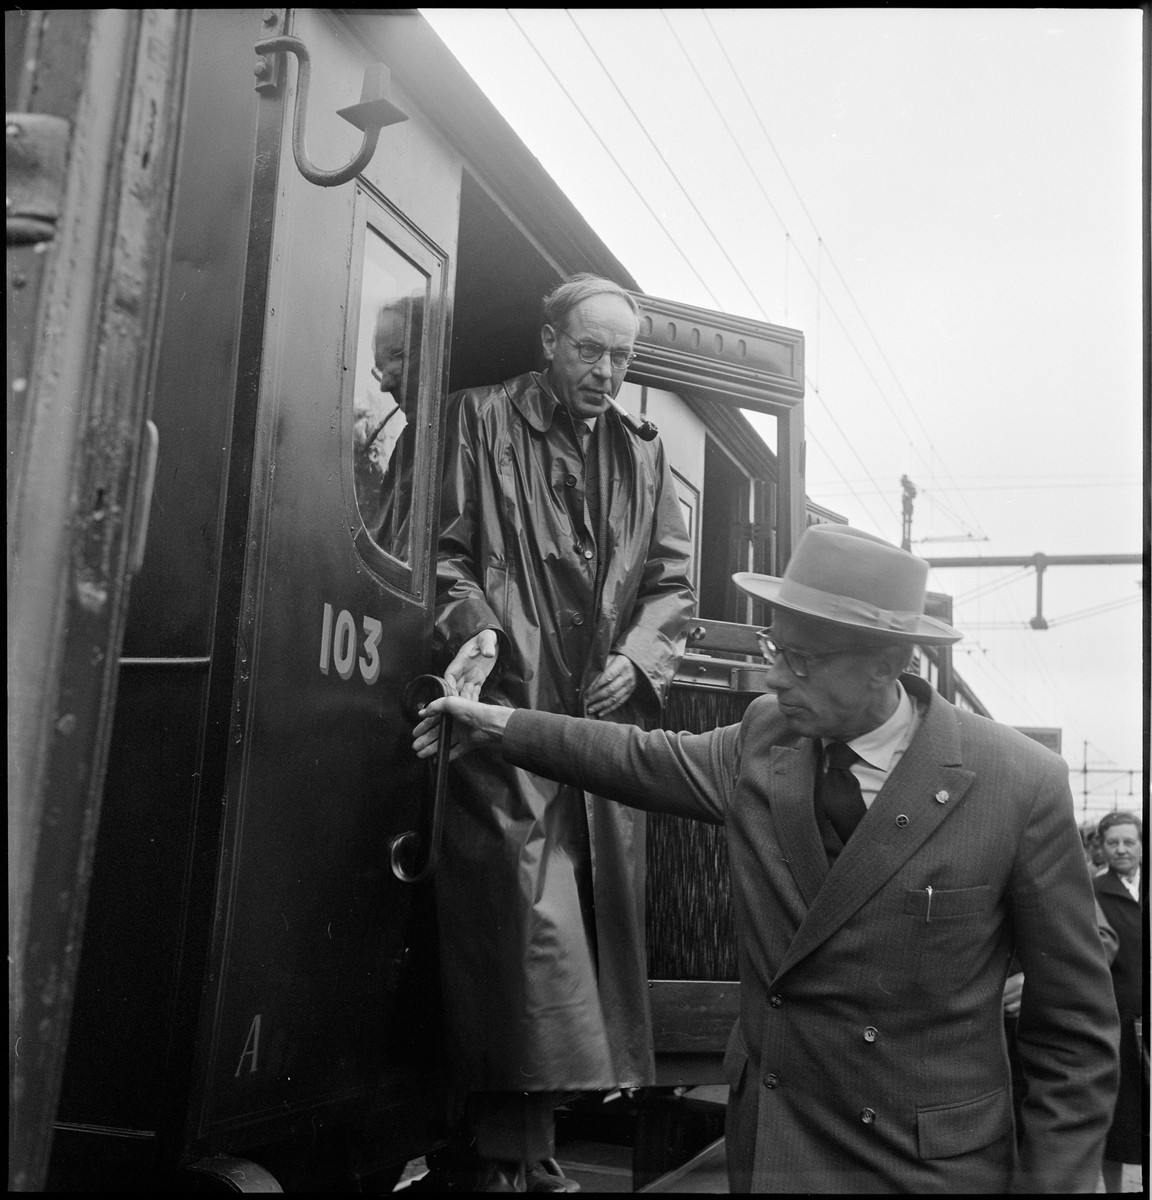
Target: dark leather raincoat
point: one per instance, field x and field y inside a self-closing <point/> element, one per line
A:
<point x="540" y="889"/>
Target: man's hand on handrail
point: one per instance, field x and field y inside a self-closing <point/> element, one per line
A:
<point x="473" y="725"/>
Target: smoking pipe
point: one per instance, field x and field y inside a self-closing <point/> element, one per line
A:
<point x="644" y="430"/>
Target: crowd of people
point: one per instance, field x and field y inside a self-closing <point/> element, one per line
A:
<point x="908" y="878"/>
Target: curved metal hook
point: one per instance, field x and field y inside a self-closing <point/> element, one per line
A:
<point x="373" y="112"/>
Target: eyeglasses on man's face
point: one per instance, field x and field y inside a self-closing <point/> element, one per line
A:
<point x="799" y="661"/>
<point x="593" y="352"/>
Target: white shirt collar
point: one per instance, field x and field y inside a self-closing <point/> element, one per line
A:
<point x="1133" y="884"/>
<point x="878" y="747"/>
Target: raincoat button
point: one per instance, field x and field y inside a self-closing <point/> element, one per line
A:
<point x="770" y="1081"/>
<point x="901" y="821"/>
<point x="775" y="1001"/>
<point x="570" y="480"/>
<point x="870" y="1033"/>
<point x="867" y="1115"/>
<point x="578" y="619"/>
<point x="941" y="797"/>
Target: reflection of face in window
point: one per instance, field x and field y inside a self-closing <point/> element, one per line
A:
<point x="386" y="443"/>
<point x="389" y="350"/>
<point x="386" y="390"/>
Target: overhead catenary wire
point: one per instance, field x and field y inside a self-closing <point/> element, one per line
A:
<point x="571" y="100"/>
<point x="1097" y="610"/>
<point x="663" y="158"/>
<point x="822" y="250"/>
<point x="820" y="446"/>
<point x="720" y="245"/>
<point x="850" y="444"/>
<point x="858" y="493"/>
<point x="985" y="660"/>
<point x="1024" y="487"/>
<point x="994" y="585"/>
<point x="933" y="496"/>
<point x="1045" y="675"/>
<point x="619" y="165"/>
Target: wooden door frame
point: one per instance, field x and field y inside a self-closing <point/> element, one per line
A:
<point x="715" y="360"/>
<point x="74" y="513"/>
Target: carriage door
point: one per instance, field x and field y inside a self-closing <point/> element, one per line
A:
<point x="311" y="952"/>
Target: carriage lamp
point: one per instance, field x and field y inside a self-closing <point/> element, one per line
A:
<point x="372" y="114"/>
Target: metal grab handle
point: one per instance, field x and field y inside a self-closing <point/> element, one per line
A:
<point x="406" y="847"/>
<point x="373" y="112"/>
<point x="149" y="457"/>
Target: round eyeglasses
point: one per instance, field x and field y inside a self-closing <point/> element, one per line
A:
<point x="798" y="661"/>
<point x="593" y="352"/>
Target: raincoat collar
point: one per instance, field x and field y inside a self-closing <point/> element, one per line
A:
<point x="532" y="399"/>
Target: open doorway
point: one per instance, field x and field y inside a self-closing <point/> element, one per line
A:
<point x="500" y="280"/>
<point x="724" y="536"/>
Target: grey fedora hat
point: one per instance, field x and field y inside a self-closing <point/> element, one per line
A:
<point x="857" y="581"/>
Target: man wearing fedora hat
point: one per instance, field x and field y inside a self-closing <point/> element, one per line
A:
<point x="889" y="854"/>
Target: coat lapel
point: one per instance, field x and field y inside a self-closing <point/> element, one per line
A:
<point x="792" y="772"/>
<point x="880" y="847"/>
<point x="1114" y="886"/>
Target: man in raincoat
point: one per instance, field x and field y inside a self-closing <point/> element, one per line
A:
<point x="563" y="585"/>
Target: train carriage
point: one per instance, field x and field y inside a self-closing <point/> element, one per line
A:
<point x="209" y="768"/>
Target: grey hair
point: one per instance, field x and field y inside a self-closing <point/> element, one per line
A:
<point x="404" y="307"/>
<point x="1119" y="818"/>
<point x="560" y="302"/>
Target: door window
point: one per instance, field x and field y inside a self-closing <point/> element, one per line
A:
<point x="393" y="299"/>
<point x="394" y="333"/>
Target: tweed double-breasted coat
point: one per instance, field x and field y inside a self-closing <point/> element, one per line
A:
<point x="869" y="1054"/>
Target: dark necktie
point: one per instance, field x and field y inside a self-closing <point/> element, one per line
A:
<point x="838" y="790"/>
<point x="589" y="442"/>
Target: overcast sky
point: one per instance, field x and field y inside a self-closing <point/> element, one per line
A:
<point x="947" y="204"/>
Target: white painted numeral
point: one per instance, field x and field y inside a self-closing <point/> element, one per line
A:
<point x="344" y="644"/>
<point x="370" y="665"/>
<point x="338" y="645"/>
<point x="326" y="639"/>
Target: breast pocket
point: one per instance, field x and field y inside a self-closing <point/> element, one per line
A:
<point x="944" y="930"/>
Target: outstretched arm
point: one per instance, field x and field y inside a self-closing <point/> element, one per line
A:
<point x="690" y="775"/>
<point x="473" y="725"/>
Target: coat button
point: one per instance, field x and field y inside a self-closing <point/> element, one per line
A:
<point x="870" y="1033"/>
<point x="570" y="480"/>
<point x="770" y="1081"/>
<point x="901" y="821"/>
<point x="578" y="619"/>
<point x="588" y="554"/>
<point x="776" y="1001"/>
<point x="941" y="797"/>
<point x="867" y="1115"/>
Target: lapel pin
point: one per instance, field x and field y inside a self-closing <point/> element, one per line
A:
<point x="941" y="797"/>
